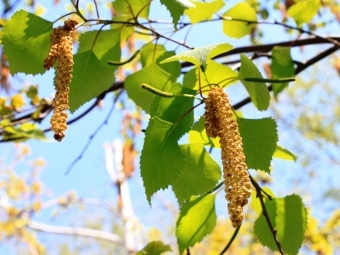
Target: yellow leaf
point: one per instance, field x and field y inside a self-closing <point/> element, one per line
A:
<point x="36" y="206"/>
<point x="237" y="29"/>
<point x="203" y="11"/>
<point x="39" y="10"/>
<point x="36" y="188"/>
<point x="12" y="212"/>
<point x="17" y="101"/>
<point x="8" y="227"/>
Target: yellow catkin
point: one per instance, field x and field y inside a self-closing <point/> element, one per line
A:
<point x="220" y="122"/>
<point x="61" y="52"/>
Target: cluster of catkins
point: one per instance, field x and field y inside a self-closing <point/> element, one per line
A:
<point x="220" y="122"/>
<point x="61" y="52"/>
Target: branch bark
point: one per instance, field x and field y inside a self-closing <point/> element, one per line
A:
<point x="85" y="232"/>
<point x="266" y="215"/>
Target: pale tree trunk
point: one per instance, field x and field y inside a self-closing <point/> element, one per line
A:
<point x="114" y="167"/>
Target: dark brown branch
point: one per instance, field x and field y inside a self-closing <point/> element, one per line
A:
<point x="265" y="214"/>
<point x="270" y="46"/>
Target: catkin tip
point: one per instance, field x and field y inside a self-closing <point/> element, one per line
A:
<point x="61" y="52"/>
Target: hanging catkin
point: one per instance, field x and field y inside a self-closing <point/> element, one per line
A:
<point x="61" y="52"/>
<point x="220" y="122"/>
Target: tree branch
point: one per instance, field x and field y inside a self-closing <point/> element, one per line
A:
<point x="231" y="240"/>
<point x="84" y="232"/>
<point x="265" y="214"/>
<point x="253" y="48"/>
<point x="268" y="47"/>
<point x="94" y="134"/>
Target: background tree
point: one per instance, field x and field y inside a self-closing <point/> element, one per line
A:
<point x="119" y="46"/>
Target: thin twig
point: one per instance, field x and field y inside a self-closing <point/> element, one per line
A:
<point x="264" y="22"/>
<point x="231" y="240"/>
<point x="97" y="11"/>
<point x="266" y="215"/>
<point x="94" y="134"/>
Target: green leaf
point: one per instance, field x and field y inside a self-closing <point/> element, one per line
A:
<point x="154" y="248"/>
<point x="217" y="73"/>
<point x="32" y="91"/>
<point x="176" y="110"/>
<point x="198" y="135"/>
<point x="190" y="79"/>
<point x="162" y="159"/>
<point x="282" y="66"/>
<point x="176" y="9"/>
<point x="200" y="174"/>
<point x="304" y="10"/>
<point x="259" y="137"/>
<point x="105" y="45"/>
<point x="289" y="218"/>
<point x="152" y="75"/>
<point x="255" y="201"/>
<point x="155" y="53"/>
<point x="130" y="8"/>
<point x="283" y="153"/>
<point x="90" y="78"/>
<point x="150" y="52"/>
<point x="258" y="91"/>
<point x="238" y="29"/>
<point x="4" y="108"/>
<point x="203" y="11"/>
<point x="23" y="132"/>
<point x="26" y="41"/>
<point x="173" y="68"/>
<point x="199" y="56"/>
<point x="197" y="219"/>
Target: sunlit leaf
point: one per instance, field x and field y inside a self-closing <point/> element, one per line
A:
<point x="259" y="137"/>
<point x="200" y="174"/>
<point x="177" y="110"/>
<point x="198" y="135"/>
<point x="255" y="202"/>
<point x="289" y="218"/>
<point x="154" y="248"/>
<point x="197" y="219"/>
<point x="152" y="75"/>
<point x="17" y="101"/>
<point x="200" y="56"/>
<point x="303" y="11"/>
<point x="90" y="78"/>
<point x="23" y="132"/>
<point x="156" y="53"/>
<point x="104" y="44"/>
<point x="238" y="29"/>
<point x="26" y="41"/>
<point x="176" y="9"/>
<point x="258" y="91"/>
<point x="131" y="8"/>
<point x="203" y="11"/>
<point x="162" y="159"/>
<point x="283" y="153"/>
<point x="282" y="66"/>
